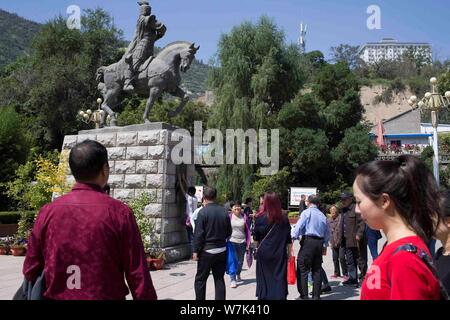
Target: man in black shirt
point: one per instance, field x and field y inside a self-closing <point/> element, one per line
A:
<point x="352" y="231"/>
<point x="302" y="205"/>
<point x="212" y="229"/>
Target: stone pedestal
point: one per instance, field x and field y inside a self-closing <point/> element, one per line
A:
<point x="139" y="159"/>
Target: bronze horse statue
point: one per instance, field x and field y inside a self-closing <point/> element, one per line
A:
<point x="156" y="76"/>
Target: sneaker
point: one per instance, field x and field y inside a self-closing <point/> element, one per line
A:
<point x="233" y="284"/>
<point x="335" y="276"/>
<point x="345" y="278"/>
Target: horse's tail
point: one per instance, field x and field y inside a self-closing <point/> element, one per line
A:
<point x="100" y="74"/>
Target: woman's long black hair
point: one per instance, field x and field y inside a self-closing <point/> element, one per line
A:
<point x="412" y="188"/>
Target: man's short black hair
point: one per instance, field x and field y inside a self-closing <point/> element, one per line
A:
<point x="236" y="203"/>
<point x="248" y="200"/>
<point x="210" y="193"/>
<point x="87" y="159"/>
<point x="314" y="199"/>
<point x="191" y="191"/>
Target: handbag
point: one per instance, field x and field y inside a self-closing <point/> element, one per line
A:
<point x="291" y="271"/>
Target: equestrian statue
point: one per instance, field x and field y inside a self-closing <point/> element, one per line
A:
<point x="138" y="71"/>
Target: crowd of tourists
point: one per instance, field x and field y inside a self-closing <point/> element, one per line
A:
<point x="399" y="198"/>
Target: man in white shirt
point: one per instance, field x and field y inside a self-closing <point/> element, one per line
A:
<point x="195" y="214"/>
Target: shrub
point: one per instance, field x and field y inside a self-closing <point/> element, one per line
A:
<point x="418" y="86"/>
<point x="397" y="86"/>
<point x="37" y="180"/>
<point x="377" y="99"/>
<point x="147" y="225"/>
<point x="12" y="217"/>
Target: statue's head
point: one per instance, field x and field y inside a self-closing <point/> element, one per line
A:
<point x="145" y="10"/>
<point x="187" y="56"/>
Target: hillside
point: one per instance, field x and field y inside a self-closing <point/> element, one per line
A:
<point x="376" y="110"/>
<point x="16" y="34"/>
<point x="194" y="80"/>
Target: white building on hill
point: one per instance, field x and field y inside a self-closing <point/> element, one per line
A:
<point x="390" y="49"/>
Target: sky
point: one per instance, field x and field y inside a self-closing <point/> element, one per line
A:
<point x="330" y="22"/>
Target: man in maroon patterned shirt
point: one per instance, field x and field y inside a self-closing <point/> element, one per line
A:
<point x="86" y="242"/>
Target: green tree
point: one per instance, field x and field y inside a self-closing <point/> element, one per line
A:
<point x="14" y="147"/>
<point x="444" y="82"/>
<point x="58" y="78"/>
<point x="354" y="149"/>
<point x="256" y="73"/>
<point x="346" y="53"/>
<point x="322" y="140"/>
<point x="279" y="183"/>
<point x="134" y="108"/>
<point x="417" y="57"/>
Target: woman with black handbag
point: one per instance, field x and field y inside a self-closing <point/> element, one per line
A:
<point x="272" y="235"/>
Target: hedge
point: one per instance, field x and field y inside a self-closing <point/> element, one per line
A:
<point x="13" y="217"/>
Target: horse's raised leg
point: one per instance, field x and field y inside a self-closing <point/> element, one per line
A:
<point x="110" y="102"/>
<point x="153" y="96"/>
<point x="184" y="99"/>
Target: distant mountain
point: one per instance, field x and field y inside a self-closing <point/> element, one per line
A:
<point x="16" y="34"/>
<point x="194" y="80"/>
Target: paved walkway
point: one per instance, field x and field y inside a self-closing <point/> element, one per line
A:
<point x="176" y="281"/>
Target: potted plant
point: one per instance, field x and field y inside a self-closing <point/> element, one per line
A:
<point x="19" y="247"/>
<point x="4" y="247"/>
<point x="149" y="232"/>
<point x="156" y="258"/>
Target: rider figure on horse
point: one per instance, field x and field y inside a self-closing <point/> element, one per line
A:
<point x="148" y="31"/>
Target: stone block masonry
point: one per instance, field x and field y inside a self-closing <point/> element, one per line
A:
<point x="139" y="160"/>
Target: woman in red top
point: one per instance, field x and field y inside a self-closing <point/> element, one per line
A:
<point x="401" y="198"/>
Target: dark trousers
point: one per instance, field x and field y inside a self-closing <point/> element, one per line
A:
<point x="323" y="278"/>
<point x="190" y="235"/>
<point x="309" y="259"/>
<point x="362" y="256"/>
<point x="351" y="256"/>
<point x="206" y="263"/>
<point x="373" y="247"/>
<point x="339" y="261"/>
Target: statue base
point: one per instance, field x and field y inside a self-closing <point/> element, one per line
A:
<point x="139" y="160"/>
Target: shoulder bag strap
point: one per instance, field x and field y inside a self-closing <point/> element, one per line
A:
<point x="259" y="245"/>
<point x="409" y="247"/>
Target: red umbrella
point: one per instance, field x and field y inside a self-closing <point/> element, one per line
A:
<point x="380" y="134"/>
